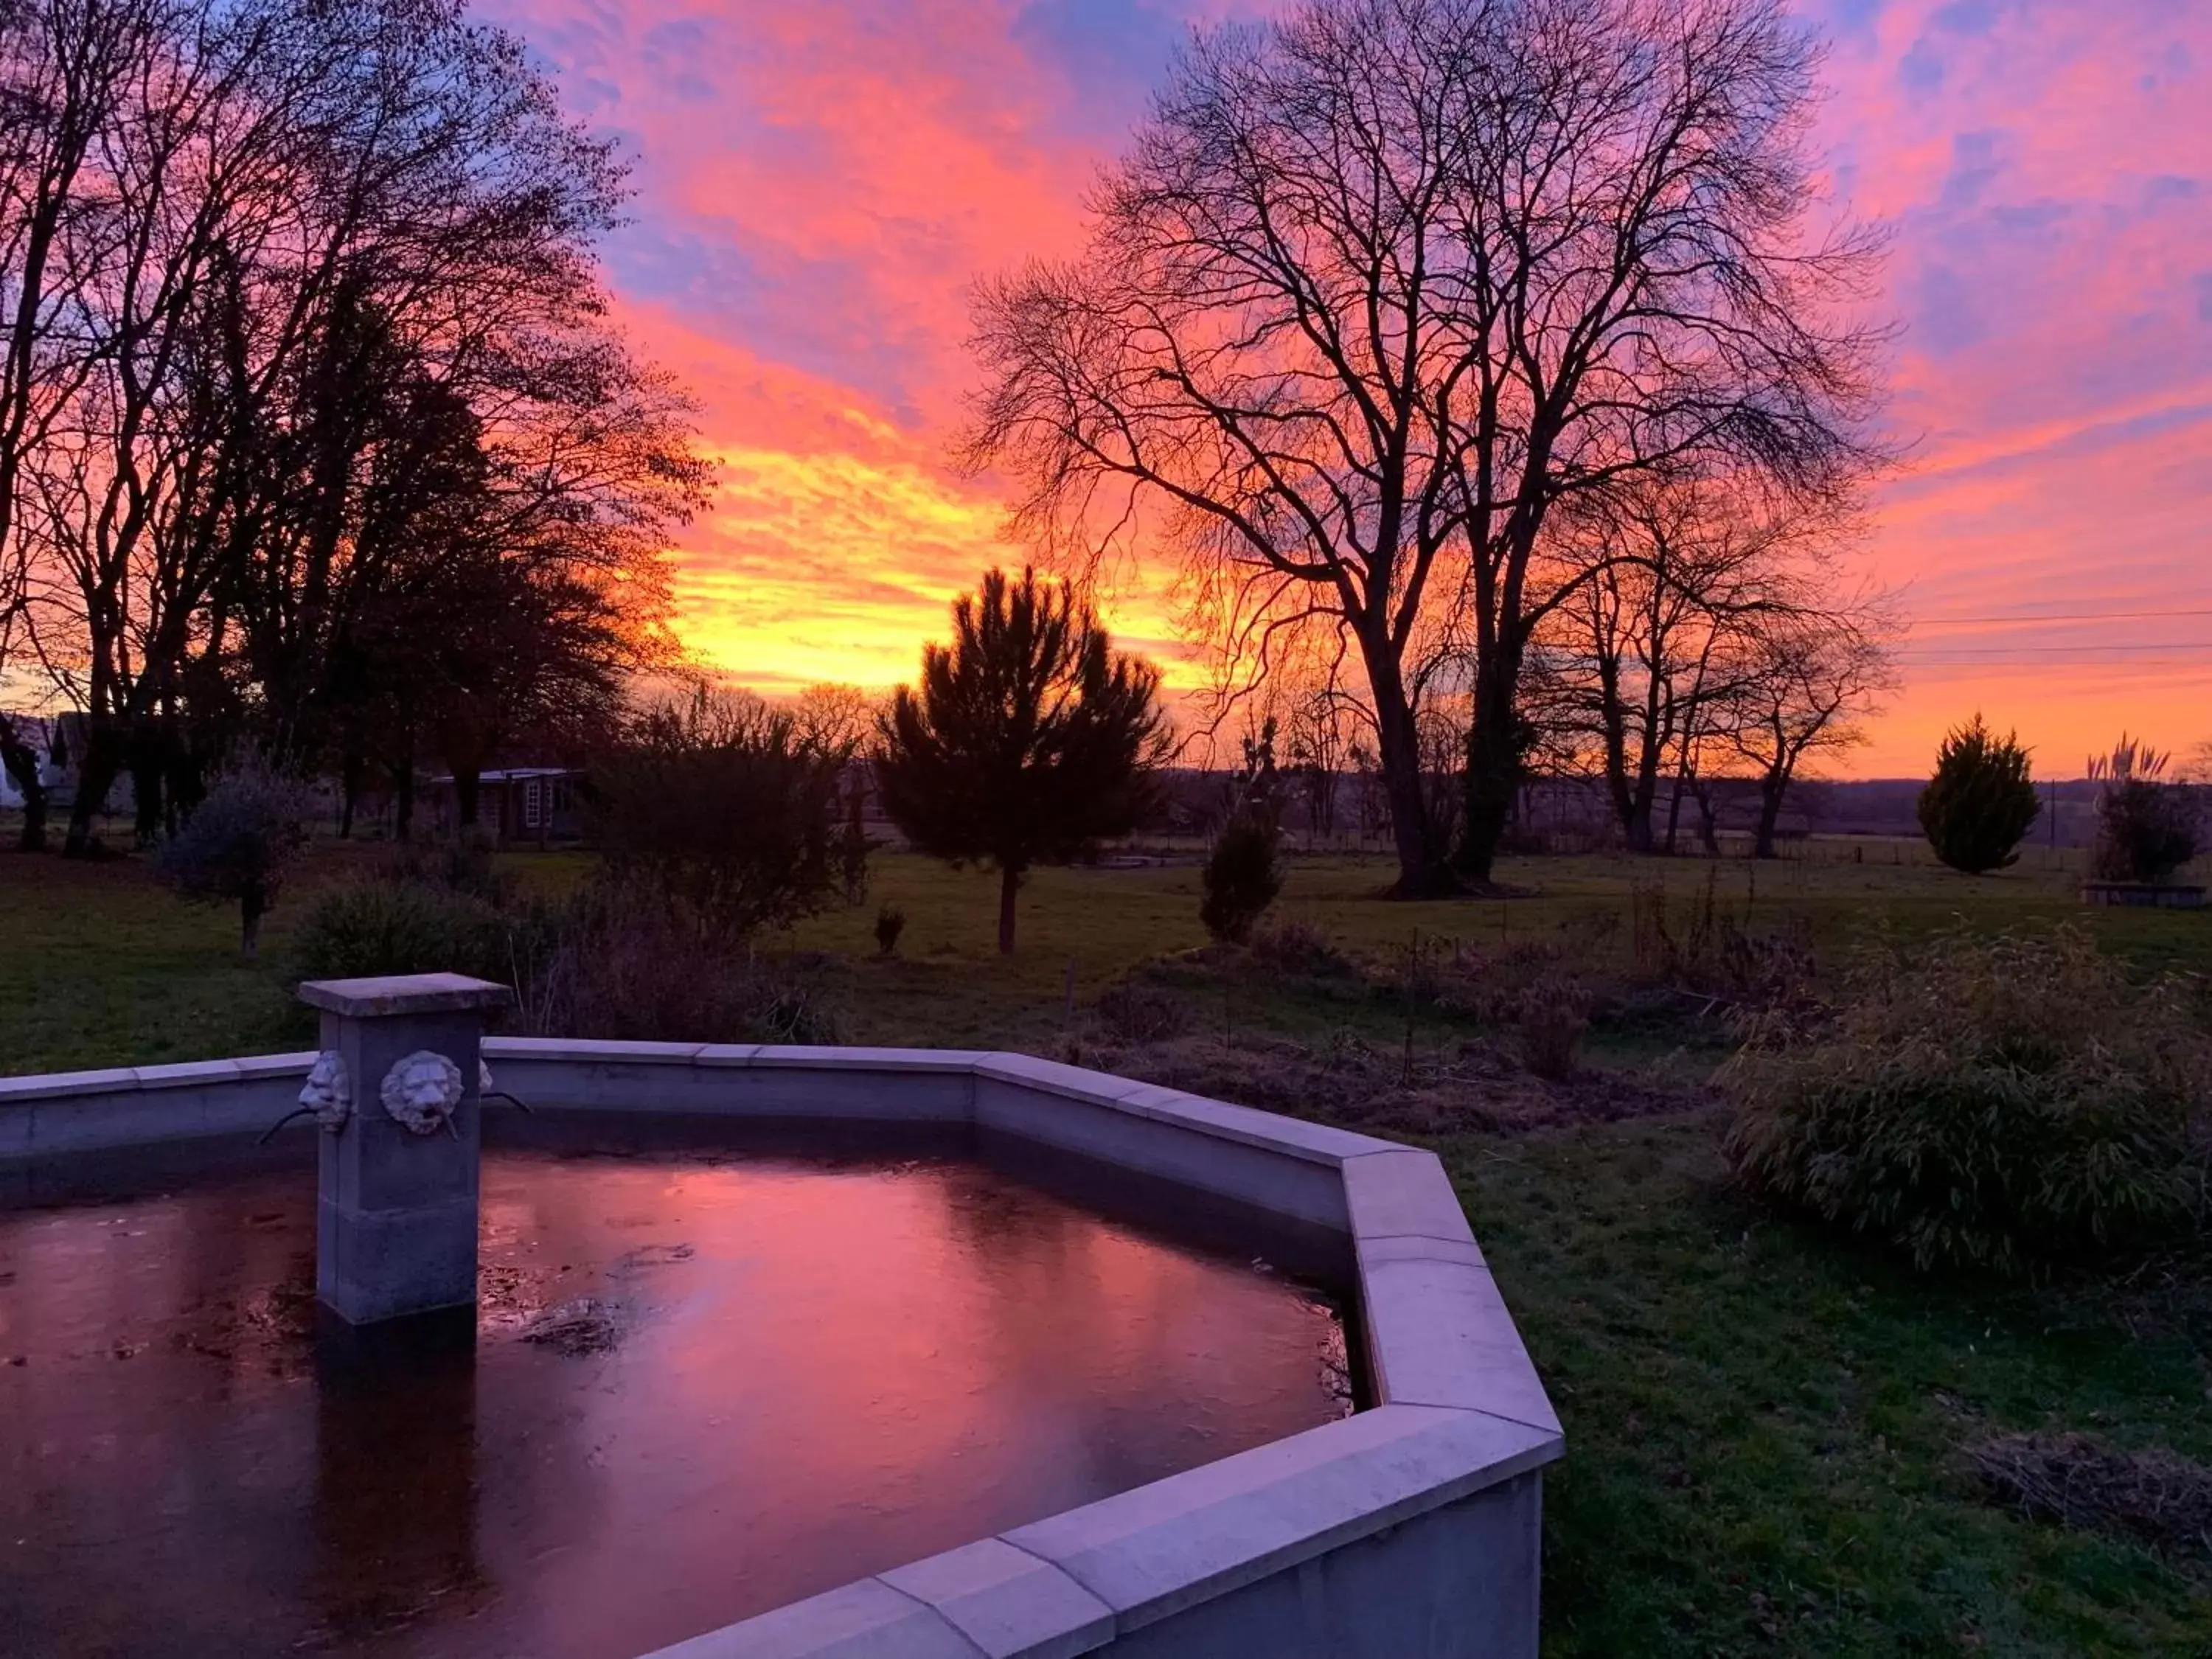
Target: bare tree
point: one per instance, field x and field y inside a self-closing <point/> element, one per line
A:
<point x="325" y="271"/>
<point x="1642" y="678"/>
<point x="1384" y="284"/>
<point x="1318" y="747"/>
<point x="1811" y="677"/>
<point x="64" y="69"/>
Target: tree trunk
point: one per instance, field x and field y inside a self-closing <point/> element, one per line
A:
<point x="21" y="760"/>
<point x="148" y="765"/>
<point x="467" y="787"/>
<point x="1772" y="789"/>
<point x="1009" y="881"/>
<point x="1638" y="829"/>
<point x="1493" y="766"/>
<point x="252" y="905"/>
<point x="96" y="774"/>
<point x="350" y="770"/>
<point x="1421" y="872"/>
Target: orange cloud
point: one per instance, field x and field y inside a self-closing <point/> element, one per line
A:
<point x="821" y="182"/>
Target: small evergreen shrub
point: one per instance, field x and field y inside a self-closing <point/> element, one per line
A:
<point x="1991" y="1103"/>
<point x="1240" y="879"/>
<point x="239" y="844"/>
<point x="1981" y="801"/>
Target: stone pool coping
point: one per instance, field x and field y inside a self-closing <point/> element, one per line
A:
<point x="1459" y="1409"/>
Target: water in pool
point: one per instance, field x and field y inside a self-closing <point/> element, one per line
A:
<point x="697" y="1385"/>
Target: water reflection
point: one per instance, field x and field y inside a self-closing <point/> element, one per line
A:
<point x="395" y="1498"/>
<point x="806" y="1370"/>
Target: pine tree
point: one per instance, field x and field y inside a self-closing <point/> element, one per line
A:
<point x="1029" y="741"/>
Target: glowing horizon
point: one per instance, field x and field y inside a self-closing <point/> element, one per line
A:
<point x="818" y="183"/>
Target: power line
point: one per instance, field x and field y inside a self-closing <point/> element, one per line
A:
<point x="2060" y="616"/>
<point x="2059" y="662"/>
<point x="2022" y="650"/>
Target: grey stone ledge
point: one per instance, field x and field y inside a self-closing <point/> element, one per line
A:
<point x="1050" y="1077"/>
<point x="189" y="1073"/>
<point x="1403" y="1192"/>
<point x="1317" y="1143"/>
<point x="828" y="1057"/>
<point x="55" y="1086"/>
<point x="1375" y="1251"/>
<point x="865" y="1619"/>
<point x="388" y="994"/>
<point x="1010" y="1603"/>
<point x="726" y="1055"/>
<point x="1438" y="1333"/>
<point x="1154" y="1551"/>
<point x="253" y="1067"/>
<point x="592" y="1051"/>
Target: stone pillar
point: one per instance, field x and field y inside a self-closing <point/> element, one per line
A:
<point x="396" y="1226"/>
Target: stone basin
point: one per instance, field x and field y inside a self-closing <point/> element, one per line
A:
<point x="1408" y="1528"/>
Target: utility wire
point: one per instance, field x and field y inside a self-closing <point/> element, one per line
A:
<point x="2059" y="616"/>
<point x="2021" y="650"/>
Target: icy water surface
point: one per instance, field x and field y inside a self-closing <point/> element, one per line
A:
<point x="698" y="1385"/>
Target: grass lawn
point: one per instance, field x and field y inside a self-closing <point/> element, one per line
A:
<point x="1763" y="1422"/>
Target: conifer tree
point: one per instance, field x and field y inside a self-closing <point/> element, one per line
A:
<point x="1029" y="740"/>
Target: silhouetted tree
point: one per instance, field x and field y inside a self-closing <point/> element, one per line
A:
<point x="1030" y="740"/>
<point x="238" y="844"/>
<point x="1241" y="878"/>
<point x="1382" y="284"/>
<point x="19" y="755"/>
<point x="1980" y="802"/>
<point x="1806" y="679"/>
<point x="1243" y="874"/>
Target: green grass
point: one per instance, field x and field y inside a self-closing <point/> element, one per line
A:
<point x="1762" y="1424"/>
<point x="1763" y="1421"/>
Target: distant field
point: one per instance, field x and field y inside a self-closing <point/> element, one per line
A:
<point x="1763" y="1421"/>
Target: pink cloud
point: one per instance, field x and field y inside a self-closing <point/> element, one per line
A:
<point x="820" y="181"/>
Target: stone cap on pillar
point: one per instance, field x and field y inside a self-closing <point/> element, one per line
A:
<point x="388" y="994"/>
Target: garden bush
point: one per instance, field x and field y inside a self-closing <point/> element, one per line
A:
<point x="1294" y="945"/>
<point x="1132" y="1011"/>
<point x="2005" y="1103"/>
<point x="721" y="805"/>
<point x="2147" y="827"/>
<point x="641" y="971"/>
<point x="1550" y="1020"/>
<point x="390" y="926"/>
<point x="1980" y="802"/>
<point x="1241" y="878"/>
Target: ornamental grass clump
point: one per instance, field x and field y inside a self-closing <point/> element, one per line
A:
<point x="2009" y="1104"/>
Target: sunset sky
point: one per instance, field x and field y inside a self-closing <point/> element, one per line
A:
<point x="819" y="180"/>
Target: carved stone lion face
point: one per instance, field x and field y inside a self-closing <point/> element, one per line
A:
<point x="421" y="1090"/>
<point x="328" y="1092"/>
